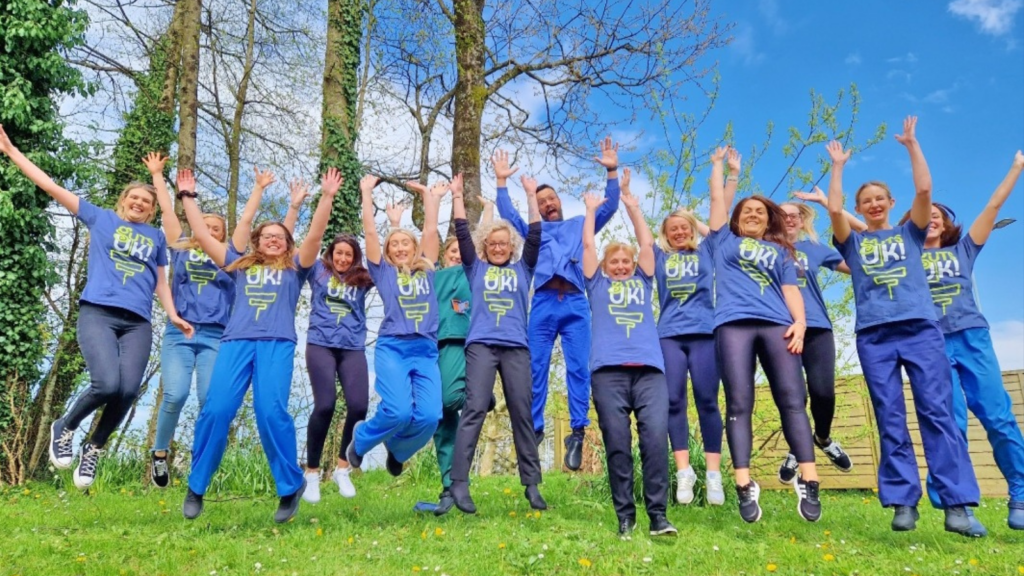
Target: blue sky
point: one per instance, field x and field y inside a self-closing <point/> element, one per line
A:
<point x="958" y="66"/>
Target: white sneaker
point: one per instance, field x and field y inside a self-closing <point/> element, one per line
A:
<point x="715" y="493"/>
<point x="312" y="492"/>
<point x="345" y="486"/>
<point x="685" y="479"/>
<point x="85" y="472"/>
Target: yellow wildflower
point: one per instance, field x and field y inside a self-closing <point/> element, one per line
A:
<point x="973" y="561"/>
<point x="438" y="531"/>
<point x="319" y="531"/>
<point x="501" y="546"/>
<point x="585" y="563"/>
<point x="771" y="567"/>
<point x="828" y="557"/>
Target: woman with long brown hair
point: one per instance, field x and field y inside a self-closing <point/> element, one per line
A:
<point x="258" y="345"/>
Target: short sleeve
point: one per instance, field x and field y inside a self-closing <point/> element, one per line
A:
<point x="594" y="281"/>
<point x="831" y="258"/>
<point x="231" y="255"/>
<point x="917" y="234"/>
<point x="88" y="212"/>
<point x="161" y="252"/>
<point x="717" y="237"/>
<point x="643" y="276"/>
<point x="969" y="247"/>
<point x="788" y="271"/>
<point x="303" y="270"/>
<point x="845" y="248"/>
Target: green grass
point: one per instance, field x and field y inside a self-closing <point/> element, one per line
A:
<point x="126" y="531"/>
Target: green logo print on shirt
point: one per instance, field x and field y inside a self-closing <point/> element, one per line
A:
<point x="621" y="294"/>
<point x="498" y="282"/>
<point x="256" y="277"/>
<point x="755" y="259"/>
<point x="410" y="288"/>
<point x="338" y="296"/>
<point x="130" y="250"/>
<point x="197" y="272"/>
<point x="801" y="259"/>
<point x="938" y="265"/>
<point x="679" y="268"/>
<point x="874" y="255"/>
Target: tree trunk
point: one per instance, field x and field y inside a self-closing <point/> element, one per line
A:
<point x="234" y="138"/>
<point x="340" y="95"/>
<point x="188" y="86"/>
<point x="470" y="97"/>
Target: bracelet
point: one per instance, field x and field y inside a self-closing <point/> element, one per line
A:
<point x="295" y="206"/>
<point x="186" y="194"/>
<point x="613" y="169"/>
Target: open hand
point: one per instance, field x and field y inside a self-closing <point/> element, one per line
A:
<point x="816" y="196"/>
<point x="718" y="156"/>
<point x="609" y="154"/>
<point x="593" y="201"/>
<point x="263" y="178"/>
<point x="394" y="210"/>
<point x="439" y="189"/>
<point x="154" y="162"/>
<point x="368" y="183"/>
<point x="456" y="185"/>
<point x="186" y="181"/>
<point x="529" y="185"/>
<point x="500" y="163"/>
<point x="299" y="190"/>
<point x="331" y="181"/>
<point x="733" y="162"/>
<point x="908" y="137"/>
<point x="835" y="151"/>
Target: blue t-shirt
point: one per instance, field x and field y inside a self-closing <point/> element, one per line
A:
<point x="949" y="277"/>
<point x="888" y="285"/>
<point x="265" y="300"/>
<point x="749" y="276"/>
<point x="622" y="326"/>
<point x="338" y="315"/>
<point x="410" y="304"/>
<point x="203" y="293"/>
<point x="685" y="291"/>
<point x="123" y="260"/>
<point x="500" y="301"/>
<point x="810" y="256"/>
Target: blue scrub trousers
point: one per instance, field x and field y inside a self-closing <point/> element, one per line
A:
<point x="919" y="348"/>
<point x="978" y="385"/>
<point x="555" y="313"/>
<point x="409" y="385"/>
<point x="268" y="365"/>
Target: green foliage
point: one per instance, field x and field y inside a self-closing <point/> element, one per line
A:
<point x="33" y="75"/>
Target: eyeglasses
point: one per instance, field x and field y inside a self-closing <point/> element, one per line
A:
<point x="500" y="245"/>
<point x="793" y="217"/>
<point x="265" y="236"/>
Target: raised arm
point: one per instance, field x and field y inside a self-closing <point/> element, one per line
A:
<point x="702" y="228"/>
<point x="719" y="213"/>
<point x="163" y="293"/>
<point x="299" y="191"/>
<point x="983" y="224"/>
<point x="430" y="242"/>
<point x="531" y="246"/>
<point x="394" y="211"/>
<point x="240" y="237"/>
<point x="462" y="233"/>
<point x="154" y="162"/>
<point x="487" y="214"/>
<point x="819" y="197"/>
<point x="187" y="193"/>
<point x="840" y="226"/>
<point x="593" y="202"/>
<point x="530" y="186"/>
<point x="310" y="248"/>
<point x="610" y="160"/>
<point x="732" y="181"/>
<point x="644" y="238"/>
<point x="502" y="171"/>
<point x="921" y="209"/>
<point x="36" y="175"/>
<point x="366" y="186"/>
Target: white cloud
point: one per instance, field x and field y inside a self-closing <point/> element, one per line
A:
<point x="898" y="74"/>
<point x="744" y="44"/>
<point x="769" y="10"/>
<point x="994" y="17"/>
<point x="1008" y="341"/>
<point x="853" y="59"/>
<point x="908" y="58"/>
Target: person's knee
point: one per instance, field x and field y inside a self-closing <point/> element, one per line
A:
<point x="322" y="411"/>
<point x="454" y="400"/>
<point x="394" y="415"/>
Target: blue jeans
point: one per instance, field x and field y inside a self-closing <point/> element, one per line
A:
<point x="179" y="358"/>
<point x="978" y="385"/>
<point x="552" y="314"/>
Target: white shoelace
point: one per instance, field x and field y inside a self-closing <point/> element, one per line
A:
<point x="90" y="458"/>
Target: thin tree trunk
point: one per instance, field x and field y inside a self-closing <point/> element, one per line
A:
<point x="470" y="97"/>
<point x="188" y="85"/>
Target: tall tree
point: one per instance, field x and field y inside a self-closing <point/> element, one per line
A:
<point x="34" y="36"/>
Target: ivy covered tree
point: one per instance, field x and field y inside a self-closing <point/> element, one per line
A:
<point x="34" y="36"/>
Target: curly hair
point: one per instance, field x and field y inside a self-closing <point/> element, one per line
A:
<point x="255" y="257"/>
<point x="484" y="231"/>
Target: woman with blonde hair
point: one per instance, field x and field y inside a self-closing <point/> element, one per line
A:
<point x="627" y="375"/>
<point x="258" y="345"/>
<point x="819" y="354"/>
<point x="405" y="358"/>
<point x="496" y="343"/>
<point x="127" y="261"/>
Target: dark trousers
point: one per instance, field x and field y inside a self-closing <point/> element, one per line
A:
<point x="739" y="344"/>
<point x="693" y="355"/>
<point x="327" y="366"/>
<point x="641" y="390"/>
<point x="819" y="360"/>
<point x="482" y="363"/>
<point x="115" y="344"/>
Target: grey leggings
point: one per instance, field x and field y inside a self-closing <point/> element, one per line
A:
<point x="738" y="345"/>
<point x="115" y="344"/>
<point x="327" y="366"/>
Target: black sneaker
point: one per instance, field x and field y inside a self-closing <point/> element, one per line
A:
<point x="959" y="521"/>
<point x="392" y="464"/>
<point x="808" y="504"/>
<point x="660" y="526"/>
<point x="460" y="493"/>
<point x="193" y="505"/>
<point x="626" y="526"/>
<point x="493" y="403"/>
<point x="574" y="449"/>
<point x="787" y="472"/>
<point x="539" y="436"/>
<point x="748" y="495"/>
<point x="905" y="518"/>
<point x="61" y="451"/>
<point x="444" y="503"/>
<point x="85" y="472"/>
<point x="289" y="505"/>
<point x="354" y="460"/>
<point x="161" y="474"/>
<point x="536" y="500"/>
<point x="836" y="455"/>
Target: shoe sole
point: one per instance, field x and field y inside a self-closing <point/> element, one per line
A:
<point x="832" y="462"/>
<point x="756" y="518"/>
<point x="665" y="532"/>
<point x="198" y="514"/>
<point x="343" y="495"/>
<point x="350" y="451"/>
<point x="799" y="500"/>
<point x="784" y="481"/>
<point x="681" y="499"/>
<point x="298" y="501"/>
<point x="715" y="502"/>
<point x="53" y="457"/>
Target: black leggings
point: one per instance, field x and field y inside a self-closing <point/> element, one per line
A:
<point x="324" y="365"/>
<point x="738" y="345"/>
<point x="819" y="359"/>
<point x="693" y="354"/>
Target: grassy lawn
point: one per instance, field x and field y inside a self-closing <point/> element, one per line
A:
<point x="121" y="531"/>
